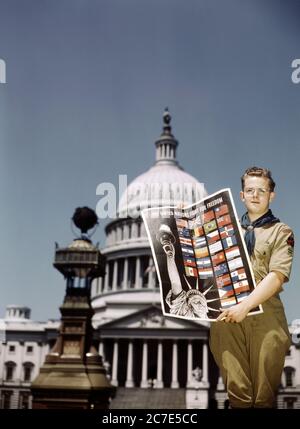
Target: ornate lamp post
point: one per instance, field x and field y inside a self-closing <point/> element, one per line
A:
<point x="73" y="375"/>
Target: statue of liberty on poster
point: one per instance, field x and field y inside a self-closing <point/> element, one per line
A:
<point x="200" y="257"/>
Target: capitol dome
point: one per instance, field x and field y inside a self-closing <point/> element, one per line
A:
<point x="164" y="184"/>
<point x="131" y="282"/>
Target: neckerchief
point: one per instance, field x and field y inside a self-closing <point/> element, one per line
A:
<point x="267" y="218"/>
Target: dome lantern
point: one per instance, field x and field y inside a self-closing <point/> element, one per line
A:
<point x="166" y="145"/>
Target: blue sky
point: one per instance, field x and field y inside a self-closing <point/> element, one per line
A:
<point x="87" y="82"/>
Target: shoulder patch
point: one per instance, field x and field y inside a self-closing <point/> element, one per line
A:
<point x="290" y="241"/>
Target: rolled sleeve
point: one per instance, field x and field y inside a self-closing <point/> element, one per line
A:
<point x="283" y="252"/>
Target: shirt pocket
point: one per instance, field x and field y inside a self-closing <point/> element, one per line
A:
<point x="262" y="253"/>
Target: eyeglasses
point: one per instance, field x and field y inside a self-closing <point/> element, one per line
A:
<point x="260" y="191"/>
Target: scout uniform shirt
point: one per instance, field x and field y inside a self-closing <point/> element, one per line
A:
<point x="251" y="354"/>
<point x="273" y="250"/>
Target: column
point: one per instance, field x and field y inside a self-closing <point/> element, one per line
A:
<point x="42" y="355"/>
<point x="205" y="364"/>
<point x="143" y="230"/>
<point x="20" y="358"/>
<point x="125" y="274"/>
<point x="94" y="287"/>
<point x="114" y="376"/>
<point x="159" y="374"/>
<point x="101" y="351"/>
<point x="151" y="274"/>
<point x="40" y="350"/>
<point x="114" y="236"/>
<point x="134" y="230"/>
<point x="2" y="360"/>
<point x="45" y="350"/>
<point x="126" y="232"/>
<point x="129" y="377"/>
<point x="100" y="285"/>
<point x="137" y="284"/>
<point x="118" y="234"/>
<point x="106" y="278"/>
<point x="220" y="385"/>
<point x="189" y="363"/>
<point x="115" y="276"/>
<point x="144" y="382"/>
<point x="174" y="383"/>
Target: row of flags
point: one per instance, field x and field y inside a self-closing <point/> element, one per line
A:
<point x="210" y="249"/>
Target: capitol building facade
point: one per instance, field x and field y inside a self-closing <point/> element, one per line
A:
<point x="154" y="361"/>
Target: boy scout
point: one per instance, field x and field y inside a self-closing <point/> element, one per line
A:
<point x="250" y="351"/>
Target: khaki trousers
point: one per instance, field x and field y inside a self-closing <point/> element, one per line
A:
<point x="251" y="355"/>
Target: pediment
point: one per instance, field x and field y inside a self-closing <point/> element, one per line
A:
<point x="152" y="318"/>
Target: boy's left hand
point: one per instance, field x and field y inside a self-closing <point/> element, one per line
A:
<point x="234" y="314"/>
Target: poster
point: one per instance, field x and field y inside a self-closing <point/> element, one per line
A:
<point x="200" y="257"/>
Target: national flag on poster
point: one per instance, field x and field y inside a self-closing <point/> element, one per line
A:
<point x="188" y="258"/>
<point x="208" y="216"/>
<point x="223" y="220"/>
<point x="203" y="263"/>
<point x="220" y="211"/>
<point x="242" y="286"/>
<point x="229" y="242"/>
<point x="227" y="231"/>
<point x="225" y="292"/>
<point x="220" y="269"/>
<point x="182" y="223"/>
<point x="234" y="264"/>
<point x="198" y="231"/>
<point x="232" y="252"/>
<point x="187" y="250"/>
<point x="184" y="232"/>
<point x="228" y="302"/>
<point x="224" y="280"/>
<point x="202" y="252"/>
<point x="204" y="273"/>
<point x="218" y="258"/>
<point x="199" y="242"/>
<point x="186" y="241"/>
<point x="196" y="222"/>
<point x="210" y="226"/>
<point x="212" y="237"/>
<point x="193" y="224"/>
<point x="238" y="275"/>
<point x="192" y="272"/>
<point x="216" y="247"/>
<point x="242" y="296"/>
<point x="190" y="262"/>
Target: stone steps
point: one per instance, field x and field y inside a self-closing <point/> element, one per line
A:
<point x="151" y="399"/>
